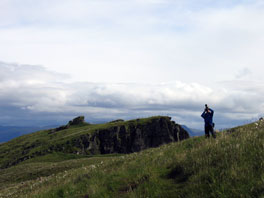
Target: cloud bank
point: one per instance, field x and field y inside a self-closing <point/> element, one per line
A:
<point x="179" y="54"/>
<point x="149" y="41"/>
<point x="33" y="95"/>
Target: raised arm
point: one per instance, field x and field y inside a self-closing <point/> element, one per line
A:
<point x="203" y="115"/>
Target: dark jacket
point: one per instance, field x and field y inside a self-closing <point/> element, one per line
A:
<point x="208" y="117"/>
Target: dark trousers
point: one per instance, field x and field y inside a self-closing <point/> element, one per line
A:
<point x="209" y="129"/>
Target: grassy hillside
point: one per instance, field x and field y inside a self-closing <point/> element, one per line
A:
<point x="68" y="141"/>
<point x="232" y="165"/>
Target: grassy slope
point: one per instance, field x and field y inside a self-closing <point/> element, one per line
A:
<point x="40" y="143"/>
<point x="230" y="166"/>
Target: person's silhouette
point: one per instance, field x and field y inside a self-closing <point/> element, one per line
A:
<point x="208" y="121"/>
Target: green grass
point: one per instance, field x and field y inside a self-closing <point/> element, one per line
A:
<point x="45" y="167"/>
<point x="43" y="142"/>
<point x="232" y="165"/>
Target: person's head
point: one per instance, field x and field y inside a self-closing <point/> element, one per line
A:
<point x="206" y="107"/>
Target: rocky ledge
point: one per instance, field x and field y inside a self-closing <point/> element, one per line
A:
<point x="131" y="136"/>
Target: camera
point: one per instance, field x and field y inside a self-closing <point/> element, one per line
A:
<point x="206" y="107"/>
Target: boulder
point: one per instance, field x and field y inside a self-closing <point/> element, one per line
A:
<point x="76" y="121"/>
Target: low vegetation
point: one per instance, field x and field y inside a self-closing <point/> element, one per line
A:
<point x="46" y="142"/>
<point x="232" y="165"/>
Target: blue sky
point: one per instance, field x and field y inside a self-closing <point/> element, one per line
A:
<point x="110" y="59"/>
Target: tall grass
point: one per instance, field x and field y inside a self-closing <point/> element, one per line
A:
<point x="232" y="165"/>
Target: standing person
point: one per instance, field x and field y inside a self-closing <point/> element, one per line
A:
<point x="208" y="121"/>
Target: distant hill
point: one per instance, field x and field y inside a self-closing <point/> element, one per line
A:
<point x="9" y="132"/>
<point x="229" y="166"/>
<point x="193" y="132"/>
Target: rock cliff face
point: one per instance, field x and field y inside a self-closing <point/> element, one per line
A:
<point x="131" y="136"/>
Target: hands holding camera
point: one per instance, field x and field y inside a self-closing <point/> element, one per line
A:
<point x="207" y="110"/>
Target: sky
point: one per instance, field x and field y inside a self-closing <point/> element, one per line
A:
<point x="110" y="59"/>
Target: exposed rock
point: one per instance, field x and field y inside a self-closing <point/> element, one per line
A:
<point x="131" y="137"/>
<point x="76" y="121"/>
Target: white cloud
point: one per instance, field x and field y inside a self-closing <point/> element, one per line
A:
<point x="136" y="41"/>
<point x="128" y="49"/>
<point x="243" y="73"/>
<point x="25" y="95"/>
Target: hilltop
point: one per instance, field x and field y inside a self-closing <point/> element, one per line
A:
<point x="84" y="139"/>
<point x="229" y="166"/>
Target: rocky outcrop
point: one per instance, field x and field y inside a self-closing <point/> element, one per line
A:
<point x="76" y="121"/>
<point x="131" y="136"/>
<point x="114" y="137"/>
